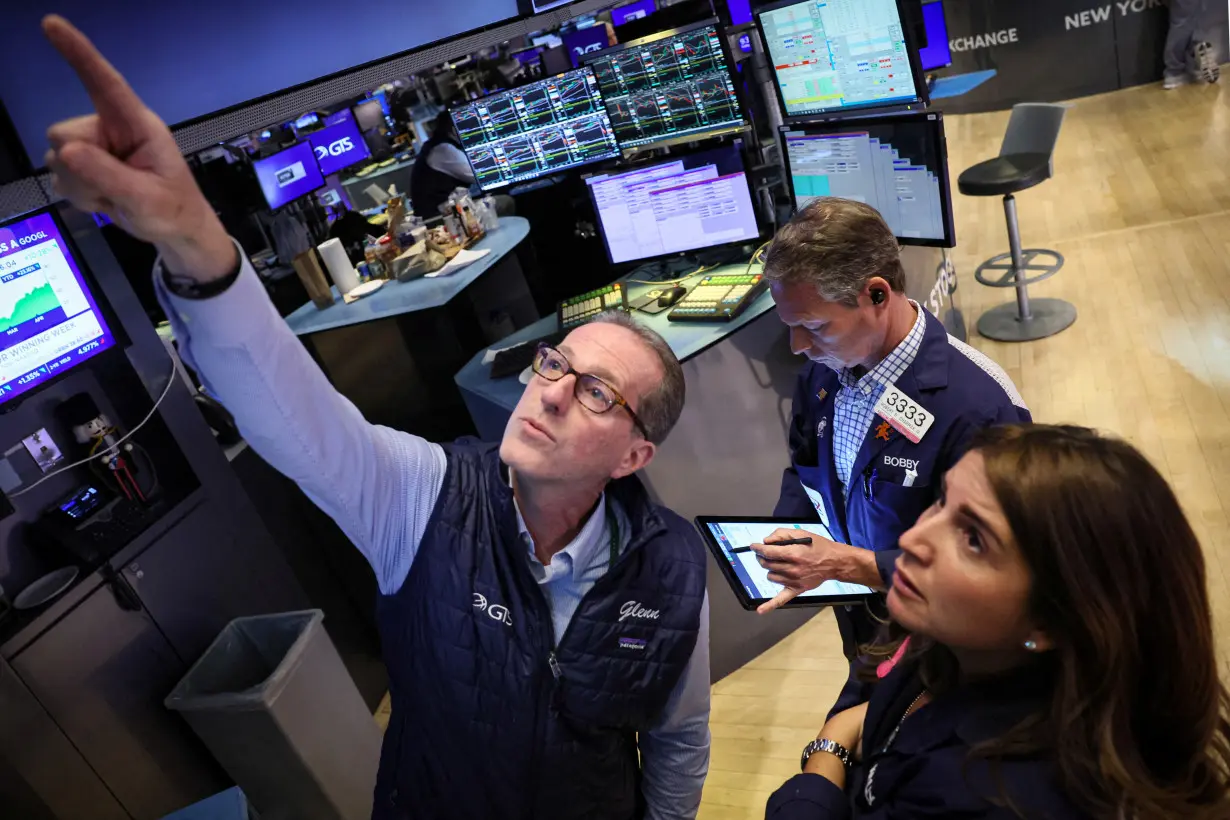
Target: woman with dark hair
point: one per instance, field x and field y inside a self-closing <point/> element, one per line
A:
<point x="1059" y="660"/>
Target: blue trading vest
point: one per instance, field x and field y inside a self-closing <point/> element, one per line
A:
<point x="492" y="720"/>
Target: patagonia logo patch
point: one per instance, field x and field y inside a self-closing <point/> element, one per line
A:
<point x="632" y="643"/>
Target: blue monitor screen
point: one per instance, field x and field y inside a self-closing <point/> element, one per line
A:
<point x="288" y="175"/>
<point x="937" y="53"/>
<point x="585" y="41"/>
<point x="339" y="145"/>
<point x="528" y="56"/>
<point x="740" y="11"/>
<point x="49" y="321"/>
<point x="831" y="55"/>
<point x="632" y="11"/>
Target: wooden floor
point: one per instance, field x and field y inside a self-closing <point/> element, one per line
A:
<point x="1140" y="208"/>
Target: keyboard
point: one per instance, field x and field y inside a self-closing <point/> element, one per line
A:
<point x="578" y="310"/>
<point x="719" y="298"/>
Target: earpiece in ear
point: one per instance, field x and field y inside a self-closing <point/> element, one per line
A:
<point x="1031" y="645"/>
<point x="878" y="296"/>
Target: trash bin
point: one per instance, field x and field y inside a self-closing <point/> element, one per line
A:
<point x="276" y="707"/>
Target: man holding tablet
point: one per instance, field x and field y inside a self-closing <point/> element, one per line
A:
<point x="886" y="405"/>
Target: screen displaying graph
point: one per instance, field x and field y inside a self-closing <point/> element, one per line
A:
<point x="536" y="129"/>
<point x="49" y="321"/>
<point x="674" y="84"/>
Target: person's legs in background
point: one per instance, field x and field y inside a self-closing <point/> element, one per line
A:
<point x="1189" y="52"/>
<point x="1184" y="15"/>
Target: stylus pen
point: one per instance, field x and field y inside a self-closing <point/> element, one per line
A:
<point x="785" y="543"/>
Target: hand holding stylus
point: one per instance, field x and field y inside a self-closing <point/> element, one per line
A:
<point x="122" y="160"/>
<point x="798" y="563"/>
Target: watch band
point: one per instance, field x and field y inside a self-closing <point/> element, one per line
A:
<point x="823" y="744"/>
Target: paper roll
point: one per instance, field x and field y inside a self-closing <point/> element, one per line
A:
<point x="338" y="263"/>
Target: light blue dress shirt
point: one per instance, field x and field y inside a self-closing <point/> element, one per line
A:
<point x="380" y="486"/>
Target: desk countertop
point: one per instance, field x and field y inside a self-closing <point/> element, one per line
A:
<point x="397" y="298"/>
<point x="687" y="339"/>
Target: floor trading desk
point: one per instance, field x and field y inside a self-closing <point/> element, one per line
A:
<point x="394" y="353"/>
<point x="726" y="454"/>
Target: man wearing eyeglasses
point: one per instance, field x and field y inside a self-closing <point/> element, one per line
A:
<point x="544" y="624"/>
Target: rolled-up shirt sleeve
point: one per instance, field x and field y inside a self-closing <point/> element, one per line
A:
<point x="378" y="484"/>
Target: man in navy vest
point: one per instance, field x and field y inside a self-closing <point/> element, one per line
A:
<point x="543" y="622"/>
<point x="886" y="404"/>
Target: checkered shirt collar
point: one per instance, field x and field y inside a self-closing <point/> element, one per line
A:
<point x="894" y="364"/>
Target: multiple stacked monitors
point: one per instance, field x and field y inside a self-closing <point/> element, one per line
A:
<point x="675" y="84"/>
<point x="833" y="56"/>
<point x="682" y="204"/>
<point x="539" y="128"/>
<point x="897" y="164"/>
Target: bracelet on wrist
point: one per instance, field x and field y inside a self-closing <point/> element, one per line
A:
<point x="827" y="746"/>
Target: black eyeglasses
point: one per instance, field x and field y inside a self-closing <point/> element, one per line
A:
<point x="593" y="393"/>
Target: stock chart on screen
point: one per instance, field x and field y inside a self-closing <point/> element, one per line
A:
<point x="540" y="128"/>
<point x="674" y="84"/>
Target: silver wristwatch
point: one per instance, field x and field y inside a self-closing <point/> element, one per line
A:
<point x="825" y="745"/>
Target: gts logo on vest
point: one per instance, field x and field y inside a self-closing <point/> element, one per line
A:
<point x="908" y="463"/>
<point x="633" y="609"/>
<point x="335" y="149"/>
<point x="496" y="612"/>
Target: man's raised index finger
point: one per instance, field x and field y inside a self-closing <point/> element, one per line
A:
<point x="113" y="98"/>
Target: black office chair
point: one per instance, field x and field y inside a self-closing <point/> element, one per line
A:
<point x="1025" y="160"/>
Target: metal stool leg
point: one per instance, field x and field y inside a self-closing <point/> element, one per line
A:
<point x="1025" y="321"/>
<point x="1014" y="247"/>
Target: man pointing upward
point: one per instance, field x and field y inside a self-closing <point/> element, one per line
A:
<point x="544" y="624"/>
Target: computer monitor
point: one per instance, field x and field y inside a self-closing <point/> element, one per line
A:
<point x="671" y="86"/>
<point x="339" y="144"/>
<point x="831" y="57"/>
<point x="288" y="175"/>
<point x="528" y="56"/>
<point x="585" y="41"/>
<point x="632" y="11"/>
<point x="49" y="319"/>
<point x="936" y="54"/>
<point x="555" y="60"/>
<point x="536" y="129"/>
<point x="898" y="164"/>
<point x="369" y="115"/>
<point x="674" y="206"/>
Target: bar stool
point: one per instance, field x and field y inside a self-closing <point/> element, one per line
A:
<point x="1025" y="160"/>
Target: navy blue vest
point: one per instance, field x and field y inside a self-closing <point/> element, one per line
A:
<point x="491" y="719"/>
<point x="430" y="188"/>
